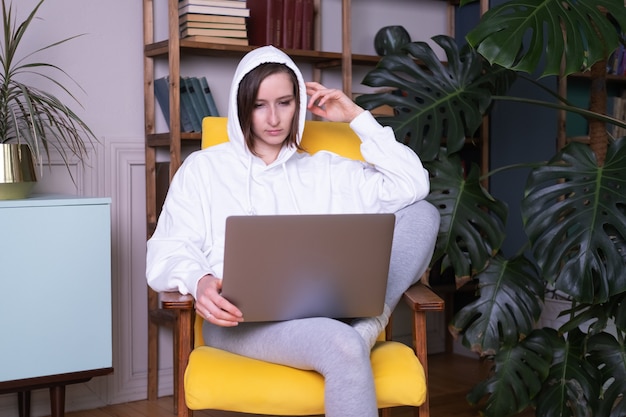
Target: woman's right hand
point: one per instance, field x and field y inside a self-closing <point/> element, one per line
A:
<point x="214" y="308"/>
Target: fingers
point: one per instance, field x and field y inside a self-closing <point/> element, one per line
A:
<point x="331" y="104"/>
<point x="214" y="308"/>
<point x="320" y="94"/>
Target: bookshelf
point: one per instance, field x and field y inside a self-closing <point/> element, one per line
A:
<point x="616" y="86"/>
<point x="171" y="50"/>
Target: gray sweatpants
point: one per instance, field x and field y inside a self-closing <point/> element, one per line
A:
<point x="332" y="347"/>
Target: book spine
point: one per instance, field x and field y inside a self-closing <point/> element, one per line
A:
<point x="224" y="33"/>
<point x="298" y="14"/>
<point x="161" y="93"/>
<point x="277" y="12"/>
<point x="198" y="97"/>
<point x="288" y="24"/>
<point x="261" y="22"/>
<point x="208" y="97"/>
<point x="307" y="24"/>
<point x="224" y="11"/>
<point x="187" y="105"/>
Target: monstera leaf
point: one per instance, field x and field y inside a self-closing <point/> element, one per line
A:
<point x="513" y="34"/>
<point x="472" y="221"/>
<point x="609" y="355"/>
<point x="518" y="375"/>
<point x="434" y="102"/>
<point x="509" y="304"/>
<point x="574" y="214"/>
<point x="571" y="388"/>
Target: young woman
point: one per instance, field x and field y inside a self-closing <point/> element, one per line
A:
<point x="260" y="171"/>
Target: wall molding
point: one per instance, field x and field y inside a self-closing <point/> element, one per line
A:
<point x="116" y="169"/>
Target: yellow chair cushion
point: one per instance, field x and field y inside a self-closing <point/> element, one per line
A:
<point x="332" y="136"/>
<point x="219" y="380"/>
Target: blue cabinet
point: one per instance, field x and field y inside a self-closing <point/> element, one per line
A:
<point x="55" y="302"/>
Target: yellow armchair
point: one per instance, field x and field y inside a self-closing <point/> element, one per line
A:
<point x="209" y="378"/>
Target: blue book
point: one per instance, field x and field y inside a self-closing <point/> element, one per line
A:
<point x="186" y="105"/>
<point x="208" y="97"/>
<point x="198" y="97"/>
<point x="162" y="94"/>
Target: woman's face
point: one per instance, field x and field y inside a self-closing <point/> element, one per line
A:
<point x="274" y="110"/>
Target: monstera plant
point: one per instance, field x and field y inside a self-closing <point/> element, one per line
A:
<point x="573" y="205"/>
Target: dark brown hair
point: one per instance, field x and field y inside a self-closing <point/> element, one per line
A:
<point x="247" y="96"/>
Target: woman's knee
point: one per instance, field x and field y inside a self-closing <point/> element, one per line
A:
<point x="349" y="346"/>
<point x="420" y="218"/>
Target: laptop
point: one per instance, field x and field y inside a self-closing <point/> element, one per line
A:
<point x="284" y="267"/>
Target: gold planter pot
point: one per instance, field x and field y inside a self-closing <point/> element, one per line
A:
<point x="17" y="171"/>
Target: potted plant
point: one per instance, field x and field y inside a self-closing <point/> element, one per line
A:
<point x="33" y="122"/>
<point x="573" y="206"/>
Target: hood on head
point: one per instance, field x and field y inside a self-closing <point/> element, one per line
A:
<point x="250" y="61"/>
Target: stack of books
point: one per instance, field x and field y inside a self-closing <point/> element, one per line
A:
<point x="196" y="101"/>
<point x="214" y="21"/>
<point x="283" y="23"/>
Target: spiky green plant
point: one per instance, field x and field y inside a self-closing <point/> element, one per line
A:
<point x="30" y="115"/>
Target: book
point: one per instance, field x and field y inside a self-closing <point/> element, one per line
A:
<point x="297" y="23"/>
<point x="215" y="3"/>
<point x="226" y="33"/>
<point x="287" y="31"/>
<point x="308" y="11"/>
<point x="224" y="11"/>
<point x="218" y="40"/>
<point x="212" y="25"/>
<point x="277" y="11"/>
<point x="210" y="18"/>
<point x="208" y="97"/>
<point x="187" y="104"/>
<point x="197" y="98"/>
<point x="162" y="94"/>
<point x="261" y="22"/>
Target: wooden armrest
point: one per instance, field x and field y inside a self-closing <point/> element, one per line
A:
<point x="173" y="300"/>
<point x="421" y="298"/>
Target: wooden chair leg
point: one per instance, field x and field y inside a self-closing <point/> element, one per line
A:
<point x="183" y="344"/>
<point x="23" y="403"/>
<point x="57" y="400"/>
<point x="421" y="350"/>
<point x="153" y="347"/>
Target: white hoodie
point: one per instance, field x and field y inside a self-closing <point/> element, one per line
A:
<point x="227" y="179"/>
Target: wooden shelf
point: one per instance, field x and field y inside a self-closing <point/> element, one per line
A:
<point x="612" y="78"/>
<point x="319" y="58"/>
<point x="164" y="139"/>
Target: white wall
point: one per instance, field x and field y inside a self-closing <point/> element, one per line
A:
<point x="108" y="63"/>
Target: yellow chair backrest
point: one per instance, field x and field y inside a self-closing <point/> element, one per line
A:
<point x="331" y="136"/>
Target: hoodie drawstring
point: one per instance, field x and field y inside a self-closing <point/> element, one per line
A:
<point x="251" y="210"/>
<point x="291" y="193"/>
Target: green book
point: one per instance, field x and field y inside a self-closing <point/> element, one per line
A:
<point x="208" y="97"/>
<point x="198" y="97"/>
<point x="162" y="94"/>
<point x="186" y="103"/>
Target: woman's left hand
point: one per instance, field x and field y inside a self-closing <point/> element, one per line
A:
<point x="331" y="104"/>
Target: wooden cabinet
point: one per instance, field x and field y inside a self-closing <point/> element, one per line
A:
<point x="55" y="272"/>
